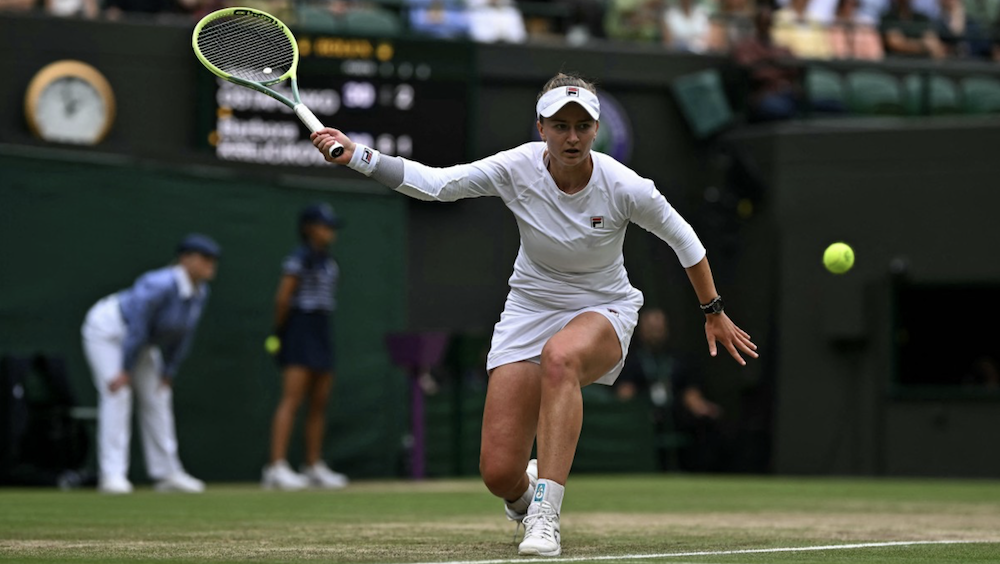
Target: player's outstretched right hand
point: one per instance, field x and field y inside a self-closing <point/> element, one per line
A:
<point x="326" y="137"/>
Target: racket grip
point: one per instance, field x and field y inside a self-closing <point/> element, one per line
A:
<point x="314" y="125"/>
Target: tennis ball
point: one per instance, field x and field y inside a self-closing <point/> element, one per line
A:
<point x="267" y="70"/>
<point x="838" y="258"/>
<point x="272" y="344"/>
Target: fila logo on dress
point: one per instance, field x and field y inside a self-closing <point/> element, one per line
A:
<point x="597" y="221"/>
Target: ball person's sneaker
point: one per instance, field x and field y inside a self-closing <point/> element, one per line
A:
<point x="280" y="476"/>
<point x="512" y="513"/>
<point x="180" y="481"/>
<point x="541" y="531"/>
<point x="320" y="476"/>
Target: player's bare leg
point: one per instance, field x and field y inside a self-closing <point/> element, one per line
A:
<point x="510" y="418"/>
<point x="579" y="354"/>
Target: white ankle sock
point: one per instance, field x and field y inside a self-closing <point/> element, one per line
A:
<point x="549" y="491"/>
<point x="521" y="504"/>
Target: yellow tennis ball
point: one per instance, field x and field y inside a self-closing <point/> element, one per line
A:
<point x="838" y="258"/>
<point x="272" y="344"/>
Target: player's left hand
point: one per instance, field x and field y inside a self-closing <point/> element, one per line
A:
<point x="326" y="137"/>
<point x="720" y="329"/>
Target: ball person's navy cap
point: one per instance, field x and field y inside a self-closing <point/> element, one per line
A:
<point x="320" y="213"/>
<point x="553" y="101"/>
<point x="201" y="244"/>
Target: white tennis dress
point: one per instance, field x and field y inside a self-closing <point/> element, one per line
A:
<point x="570" y="260"/>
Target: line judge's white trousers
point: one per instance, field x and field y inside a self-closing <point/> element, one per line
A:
<point x="103" y="337"/>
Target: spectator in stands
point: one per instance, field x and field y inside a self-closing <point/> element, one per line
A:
<point x="733" y="23"/>
<point x="72" y="8"/>
<point x="983" y="11"/>
<point x="961" y="35"/>
<point x="803" y="35"/>
<point x="492" y="21"/>
<point x="656" y="369"/>
<point x="17" y="5"/>
<point x="908" y="33"/>
<point x="135" y="340"/>
<point x="633" y="20"/>
<point x="117" y="9"/>
<point x="852" y="36"/>
<point x="585" y="20"/>
<point x="773" y="75"/>
<point x="444" y="19"/>
<point x="821" y="11"/>
<point x="685" y="26"/>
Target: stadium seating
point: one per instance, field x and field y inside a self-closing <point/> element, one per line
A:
<point x="981" y="95"/>
<point x="931" y="95"/>
<point x="873" y="92"/>
<point x="703" y="102"/>
<point x="824" y="86"/>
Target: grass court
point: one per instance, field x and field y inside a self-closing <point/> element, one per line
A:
<point x="650" y="519"/>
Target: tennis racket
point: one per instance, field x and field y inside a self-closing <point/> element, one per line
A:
<point x="254" y="49"/>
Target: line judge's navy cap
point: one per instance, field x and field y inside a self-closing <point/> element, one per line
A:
<point x="201" y="244"/>
<point x="319" y="213"/>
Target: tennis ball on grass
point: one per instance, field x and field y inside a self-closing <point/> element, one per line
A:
<point x="838" y="258"/>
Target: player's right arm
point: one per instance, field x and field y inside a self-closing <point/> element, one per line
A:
<point x="481" y="178"/>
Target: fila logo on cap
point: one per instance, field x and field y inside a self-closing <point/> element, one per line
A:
<point x="572" y="91"/>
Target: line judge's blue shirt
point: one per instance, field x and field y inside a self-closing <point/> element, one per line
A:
<point x="317" y="274"/>
<point x="161" y="309"/>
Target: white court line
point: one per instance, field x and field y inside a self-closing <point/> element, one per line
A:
<point x="711" y="553"/>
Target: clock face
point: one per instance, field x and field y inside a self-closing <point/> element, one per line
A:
<point x="71" y="110"/>
<point x="70" y="102"/>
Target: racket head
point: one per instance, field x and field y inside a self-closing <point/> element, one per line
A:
<point x="239" y="44"/>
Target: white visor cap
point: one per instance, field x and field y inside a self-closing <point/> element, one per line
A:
<point x="553" y="101"/>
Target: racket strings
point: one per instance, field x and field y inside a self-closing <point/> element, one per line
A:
<point x="244" y="46"/>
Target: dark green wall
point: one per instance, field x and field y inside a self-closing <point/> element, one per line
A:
<point x="73" y="231"/>
<point x="917" y="200"/>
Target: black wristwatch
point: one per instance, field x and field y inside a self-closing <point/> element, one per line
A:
<point x="714" y="306"/>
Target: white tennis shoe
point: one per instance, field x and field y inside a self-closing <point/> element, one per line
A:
<point x="319" y="475"/>
<point x="280" y="476"/>
<point x="541" y="531"/>
<point x="180" y="482"/>
<point x="115" y="485"/>
<point x="532" y="472"/>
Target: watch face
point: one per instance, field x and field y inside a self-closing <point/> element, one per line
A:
<point x="71" y="110"/>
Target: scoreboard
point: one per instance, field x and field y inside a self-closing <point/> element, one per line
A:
<point x="403" y="97"/>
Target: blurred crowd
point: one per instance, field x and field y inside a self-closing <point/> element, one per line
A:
<point x="808" y="29"/>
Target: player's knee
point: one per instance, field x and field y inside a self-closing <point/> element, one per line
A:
<point x="499" y="476"/>
<point x="559" y="365"/>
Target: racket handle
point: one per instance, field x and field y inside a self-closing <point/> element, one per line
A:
<point x="314" y="125"/>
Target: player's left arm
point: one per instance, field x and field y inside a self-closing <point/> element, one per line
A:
<point x="648" y="209"/>
<point x="718" y="327"/>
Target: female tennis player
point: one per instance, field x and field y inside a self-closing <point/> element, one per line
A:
<point x="571" y="310"/>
